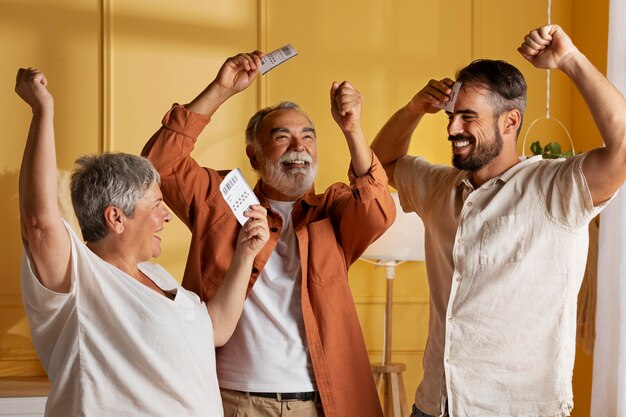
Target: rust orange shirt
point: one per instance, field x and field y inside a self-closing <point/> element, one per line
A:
<point x="332" y="229"/>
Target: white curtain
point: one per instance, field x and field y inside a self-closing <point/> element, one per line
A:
<point x="609" y="358"/>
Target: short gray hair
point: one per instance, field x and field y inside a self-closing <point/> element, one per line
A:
<point x="257" y="118"/>
<point x="110" y="179"/>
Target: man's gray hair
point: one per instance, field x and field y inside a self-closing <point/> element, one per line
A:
<point x="110" y="179"/>
<point x="257" y="118"/>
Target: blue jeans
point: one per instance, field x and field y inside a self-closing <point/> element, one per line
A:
<point x="417" y="413"/>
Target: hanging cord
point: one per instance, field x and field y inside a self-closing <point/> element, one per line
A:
<point x="548" y="71"/>
<point x="547" y="116"/>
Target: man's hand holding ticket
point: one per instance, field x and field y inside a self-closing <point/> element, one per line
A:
<point x="449" y="105"/>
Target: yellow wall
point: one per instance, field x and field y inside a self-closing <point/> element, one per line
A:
<point x="115" y="67"/>
<point x="62" y="38"/>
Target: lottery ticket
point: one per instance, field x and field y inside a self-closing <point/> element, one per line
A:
<point x="238" y="194"/>
<point x="449" y="105"/>
<point x="277" y="57"/>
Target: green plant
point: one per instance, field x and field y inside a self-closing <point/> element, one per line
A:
<point x="550" y="151"/>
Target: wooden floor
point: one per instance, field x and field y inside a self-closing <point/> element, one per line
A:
<point x="24" y="387"/>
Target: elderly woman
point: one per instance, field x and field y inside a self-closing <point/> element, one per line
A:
<point x="116" y="334"/>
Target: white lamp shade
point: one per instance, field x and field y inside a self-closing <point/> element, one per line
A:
<point x="403" y="241"/>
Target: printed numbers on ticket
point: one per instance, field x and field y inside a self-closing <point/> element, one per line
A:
<point x="277" y="57"/>
<point x="449" y="105"/>
<point x="238" y="194"/>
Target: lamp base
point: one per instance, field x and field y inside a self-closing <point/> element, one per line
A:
<point x="390" y="377"/>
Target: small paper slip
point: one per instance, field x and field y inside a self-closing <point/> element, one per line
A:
<point x="277" y="57"/>
<point x="449" y="105"/>
<point x="238" y="194"/>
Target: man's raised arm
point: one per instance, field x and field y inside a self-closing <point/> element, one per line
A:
<point x="183" y="180"/>
<point x="346" y="106"/>
<point x="366" y="212"/>
<point x="234" y="76"/>
<point x="392" y="142"/>
<point x="549" y="47"/>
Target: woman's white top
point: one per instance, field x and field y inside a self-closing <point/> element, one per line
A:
<point x="114" y="347"/>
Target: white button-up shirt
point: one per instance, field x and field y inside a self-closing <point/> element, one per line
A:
<point x="505" y="262"/>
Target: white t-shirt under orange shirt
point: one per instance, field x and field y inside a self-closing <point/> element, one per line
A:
<point x="268" y="351"/>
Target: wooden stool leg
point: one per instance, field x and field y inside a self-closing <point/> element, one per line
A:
<point x="378" y="380"/>
<point x="404" y="407"/>
<point x="388" y="397"/>
<point x="389" y="378"/>
<point x="395" y="395"/>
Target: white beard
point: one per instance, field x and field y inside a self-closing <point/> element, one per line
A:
<point x="293" y="182"/>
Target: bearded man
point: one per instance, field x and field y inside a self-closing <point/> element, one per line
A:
<point x="298" y="348"/>
<point x="507" y="237"/>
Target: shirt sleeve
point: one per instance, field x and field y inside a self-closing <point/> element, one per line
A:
<point x="418" y="181"/>
<point x="184" y="183"/>
<point x="567" y="196"/>
<point x="365" y="212"/>
<point x="47" y="311"/>
<point x="407" y="176"/>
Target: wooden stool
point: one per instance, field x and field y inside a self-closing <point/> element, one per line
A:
<point x="390" y="377"/>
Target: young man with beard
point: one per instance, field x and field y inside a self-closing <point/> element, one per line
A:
<point x="298" y="348"/>
<point x="506" y="238"/>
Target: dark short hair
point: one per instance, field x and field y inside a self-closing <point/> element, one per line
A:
<point x="257" y="118"/>
<point x="505" y="82"/>
<point x="110" y="179"/>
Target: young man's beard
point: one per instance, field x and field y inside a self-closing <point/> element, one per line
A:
<point x="292" y="182"/>
<point x="479" y="156"/>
